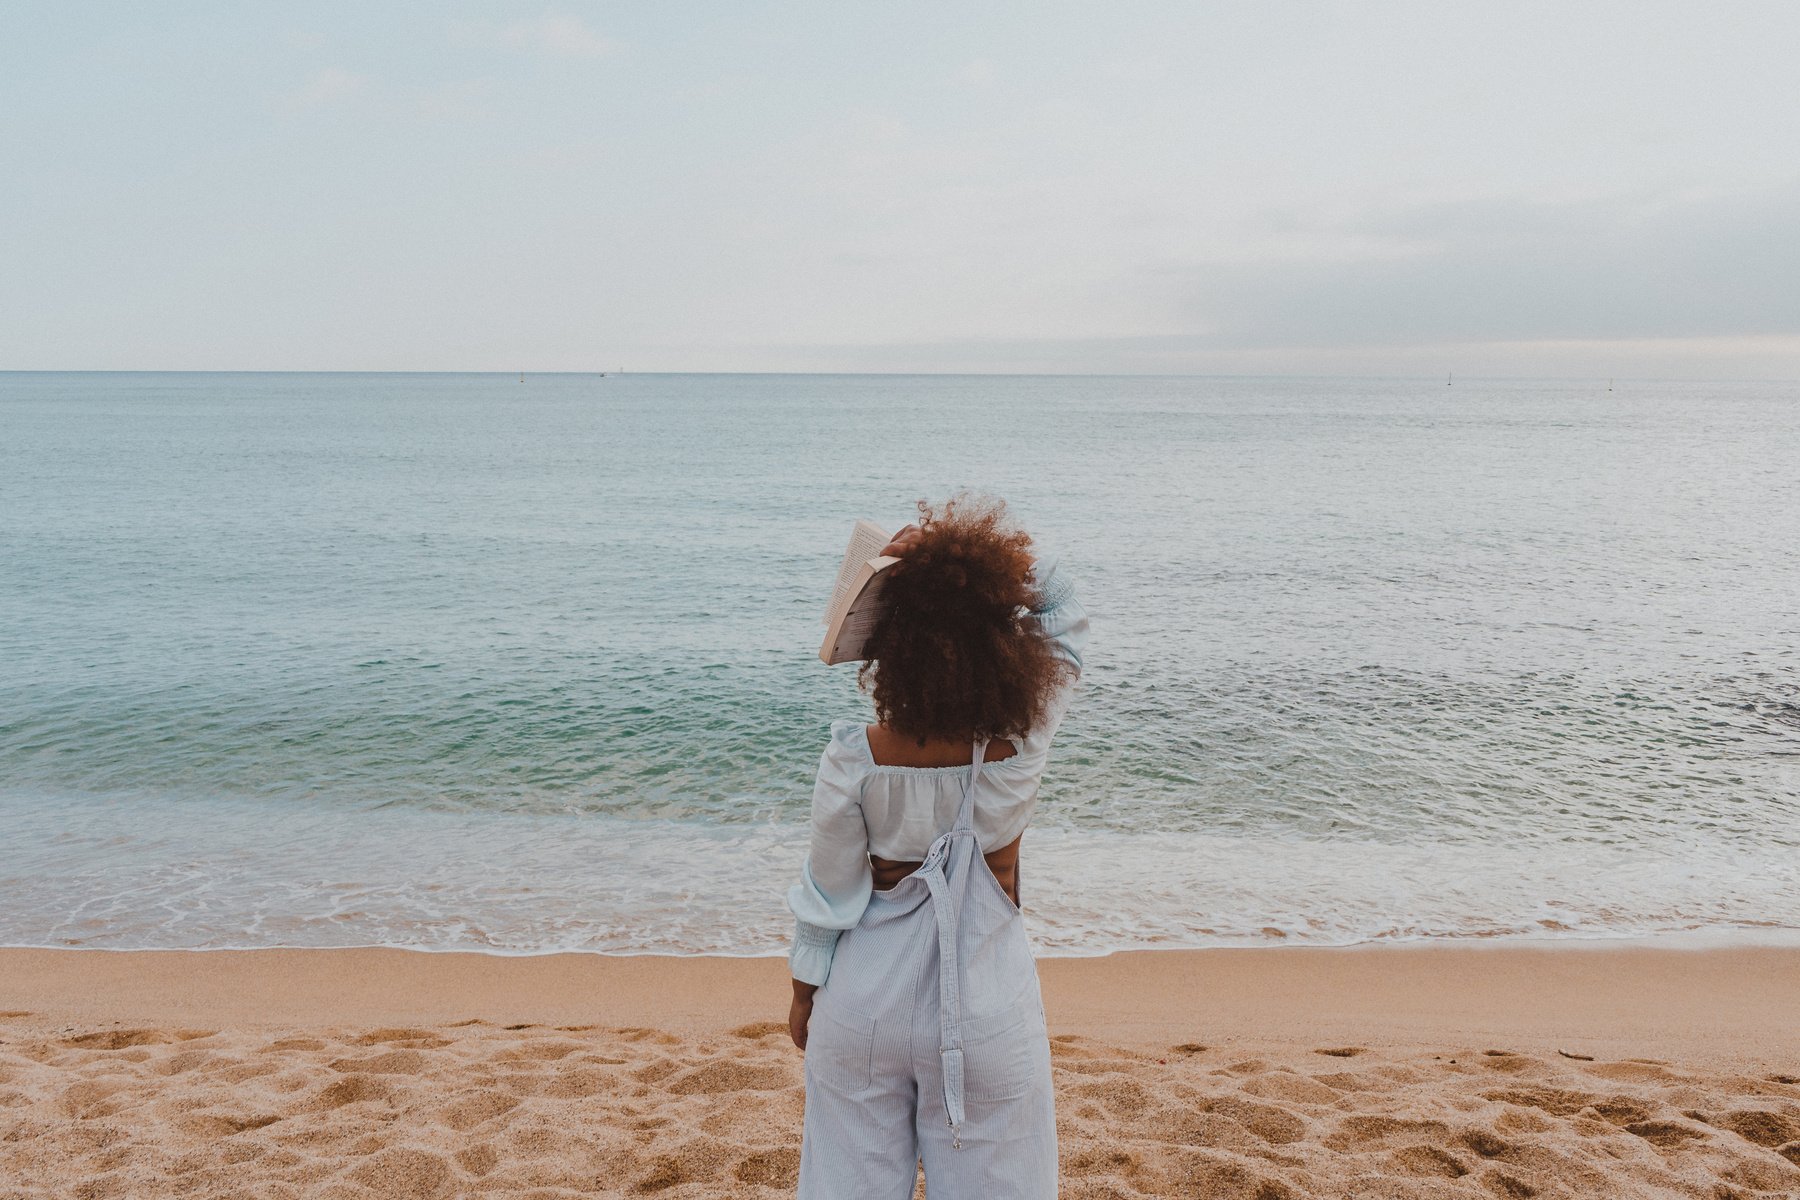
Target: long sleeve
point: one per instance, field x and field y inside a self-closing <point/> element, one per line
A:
<point x="1065" y="622"/>
<point x="835" y="881"/>
<point x="1060" y="615"/>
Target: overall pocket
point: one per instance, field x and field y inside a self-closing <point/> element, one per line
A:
<point x="840" y="1049"/>
<point x="1002" y="1051"/>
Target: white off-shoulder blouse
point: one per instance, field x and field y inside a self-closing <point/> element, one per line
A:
<point x="860" y="807"/>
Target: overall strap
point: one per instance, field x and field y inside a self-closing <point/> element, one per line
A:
<point x="950" y="972"/>
<point x="965" y="816"/>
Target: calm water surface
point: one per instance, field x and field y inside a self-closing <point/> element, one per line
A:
<point x="458" y="662"/>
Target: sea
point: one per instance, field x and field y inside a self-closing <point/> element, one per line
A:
<point x="523" y="664"/>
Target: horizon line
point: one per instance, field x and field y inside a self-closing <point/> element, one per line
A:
<point x="884" y="374"/>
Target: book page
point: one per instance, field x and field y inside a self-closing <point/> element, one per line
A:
<point x="866" y="541"/>
<point x="846" y="638"/>
<point x="859" y="625"/>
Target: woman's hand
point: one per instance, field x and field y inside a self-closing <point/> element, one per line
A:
<point x="903" y="542"/>
<point x="800" y="1012"/>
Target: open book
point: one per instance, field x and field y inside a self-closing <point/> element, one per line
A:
<point x="856" y="597"/>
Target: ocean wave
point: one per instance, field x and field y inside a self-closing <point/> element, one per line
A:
<point x="120" y="874"/>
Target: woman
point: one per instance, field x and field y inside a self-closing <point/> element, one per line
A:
<point x="915" y="995"/>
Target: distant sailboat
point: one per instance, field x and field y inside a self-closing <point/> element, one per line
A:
<point x="521" y="377"/>
<point x="1448" y="378"/>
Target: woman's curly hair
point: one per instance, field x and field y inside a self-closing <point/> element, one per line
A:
<point x="955" y="656"/>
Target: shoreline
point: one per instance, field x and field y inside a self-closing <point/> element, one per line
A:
<point x="1739" y="1001"/>
<point x="1740" y="937"/>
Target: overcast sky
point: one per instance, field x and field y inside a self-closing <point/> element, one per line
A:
<point x="1373" y="188"/>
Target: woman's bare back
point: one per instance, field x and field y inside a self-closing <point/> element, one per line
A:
<point x="890" y="749"/>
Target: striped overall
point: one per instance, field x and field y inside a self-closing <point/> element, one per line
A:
<point x="927" y="1042"/>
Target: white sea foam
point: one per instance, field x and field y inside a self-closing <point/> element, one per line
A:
<point x="208" y="875"/>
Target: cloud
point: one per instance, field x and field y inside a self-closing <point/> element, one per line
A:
<point x="329" y="86"/>
<point x="978" y="72"/>
<point x="1630" y="267"/>
<point x="1133" y="70"/>
<point x="1637" y="285"/>
<point x="461" y="100"/>
<point x="554" y="34"/>
<point x="1771" y="357"/>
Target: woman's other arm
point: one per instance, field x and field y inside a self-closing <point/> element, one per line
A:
<point x="1065" y="623"/>
<point x="1060" y="615"/>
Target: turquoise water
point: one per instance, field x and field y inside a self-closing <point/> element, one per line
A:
<point x="455" y="661"/>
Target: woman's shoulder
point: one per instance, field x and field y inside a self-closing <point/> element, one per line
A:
<point x="843" y="768"/>
<point x="848" y="747"/>
<point x="848" y="732"/>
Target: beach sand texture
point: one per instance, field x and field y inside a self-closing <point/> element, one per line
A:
<point x="95" y="1105"/>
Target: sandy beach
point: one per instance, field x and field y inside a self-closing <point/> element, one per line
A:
<point x="1428" y="1071"/>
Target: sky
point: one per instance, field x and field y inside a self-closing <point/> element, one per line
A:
<point x="1376" y="188"/>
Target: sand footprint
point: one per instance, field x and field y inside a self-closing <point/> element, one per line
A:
<point x="1484" y="1143"/>
<point x="1559" y="1102"/>
<point x="579" y="1083"/>
<point x="1426" y="1162"/>
<point x="1666" y="1133"/>
<point x="1269" y="1122"/>
<point x="539" y="1051"/>
<point x="404" y="1173"/>
<point x="759" y="1029"/>
<point x="90" y="1098"/>
<point x="415" y="1039"/>
<point x="478" y="1160"/>
<point x="1622" y="1110"/>
<point x="1633" y="1070"/>
<point x="1503" y="1184"/>
<point x="778" y="1168"/>
<point x="726" y="1075"/>
<point x="1287" y="1086"/>
<point x="212" y="1125"/>
<point x="1368" y="1131"/>
<point x="694" y="1161"/>
<point x="1509" y="1062"/>
<point x="1762" y="1126"/>
<point x="356" y="1089"/>
<point x="119" y="1039"/>
<point x="468" y="1109"/>
<point x="394" y="1062"/>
